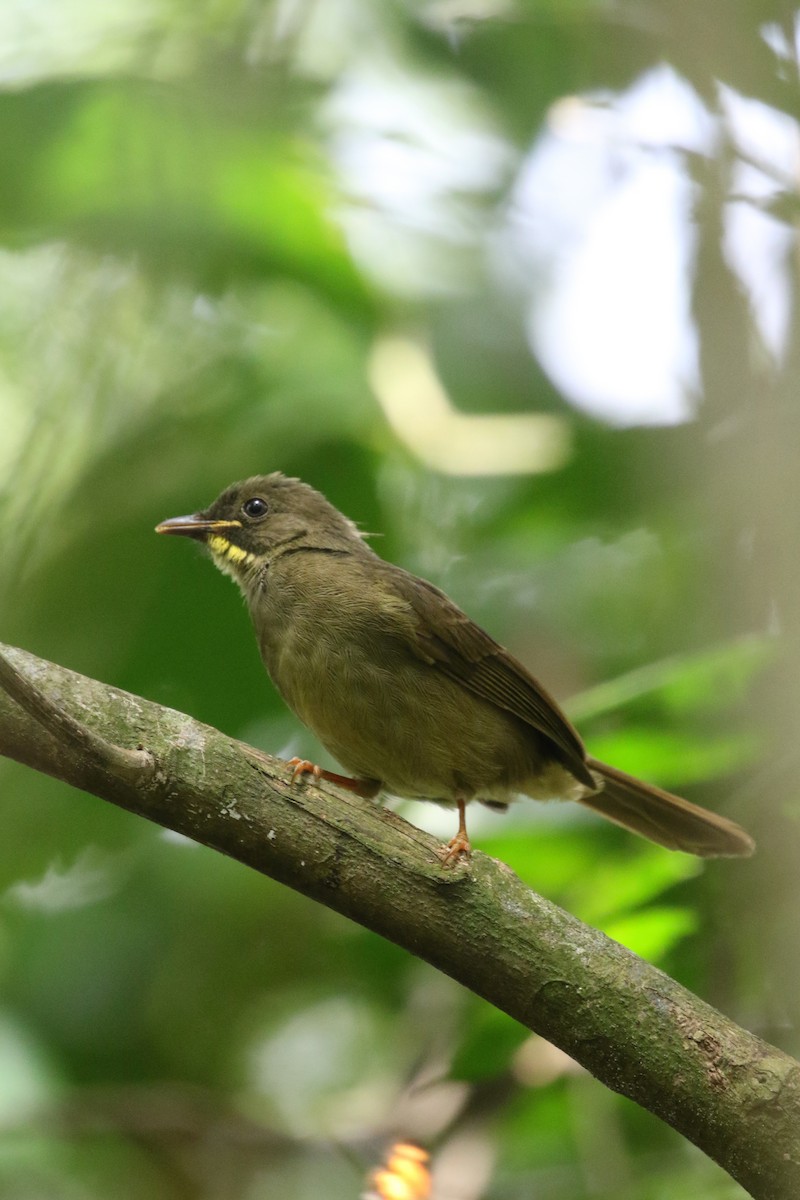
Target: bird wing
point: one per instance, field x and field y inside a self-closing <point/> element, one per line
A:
<point x="445" y="637"/>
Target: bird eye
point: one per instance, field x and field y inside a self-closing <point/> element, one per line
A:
<point x="255" y="507"/>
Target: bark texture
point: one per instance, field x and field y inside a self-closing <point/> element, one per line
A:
<point x="634" y="1028"/>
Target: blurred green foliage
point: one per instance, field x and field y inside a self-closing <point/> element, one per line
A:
<point x="208" y="214"/>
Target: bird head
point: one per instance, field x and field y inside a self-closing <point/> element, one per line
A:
<point x="254" y="521"/>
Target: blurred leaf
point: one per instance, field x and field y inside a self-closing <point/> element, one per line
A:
<point x="490" y="1042"/>
<point x="33" y="1165"/>
<point x="619" y="884"/>
<point x="535" y="1136"/>
<point x="528" y="61"/>
<point x="549" y="860"/>
<point x="675" y="759"/>
<point x="653" y="933"/>
<point x="683" y="684"/>
<point x="132" y="167"/>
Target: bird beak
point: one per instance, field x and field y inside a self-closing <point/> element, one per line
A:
<point x="195" y="526"/>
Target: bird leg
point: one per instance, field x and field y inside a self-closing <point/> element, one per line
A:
<point x="460" y="843"/>
<point x="368" y="788"/>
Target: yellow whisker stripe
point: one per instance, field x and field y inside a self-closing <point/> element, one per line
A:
<point x="225" y="549"/>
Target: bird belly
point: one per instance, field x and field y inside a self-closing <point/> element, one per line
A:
<point x="412" y="728"/>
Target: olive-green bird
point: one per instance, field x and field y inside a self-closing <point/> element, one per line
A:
<point x="407" y="693"/>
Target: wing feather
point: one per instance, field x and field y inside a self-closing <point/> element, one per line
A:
<point x="445" y="637"/>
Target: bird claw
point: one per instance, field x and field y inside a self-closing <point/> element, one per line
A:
<point x="302" y="766"/>
<point x="454" y="849"/>
<point x="368" y="788"/>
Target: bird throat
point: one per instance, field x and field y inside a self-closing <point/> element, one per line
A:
<point x="229" y="558"/>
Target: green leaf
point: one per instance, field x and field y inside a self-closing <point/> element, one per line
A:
<point x="490" y="1040"/>
<point x="683" y="684"/>
<point x="620" y="883"/>
<point x="675" y="759"/>
<point x="132" y="167"/>
<point x="653" y="932"/>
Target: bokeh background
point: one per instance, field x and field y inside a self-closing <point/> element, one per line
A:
<point x="515" y="284"/>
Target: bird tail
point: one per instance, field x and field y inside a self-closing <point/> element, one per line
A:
<point x="663" y="818"/>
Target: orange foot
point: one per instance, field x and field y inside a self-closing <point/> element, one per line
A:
<point x="362" y="787"/>
<point x="457" y="846"/>
<point x="301" y="766"/>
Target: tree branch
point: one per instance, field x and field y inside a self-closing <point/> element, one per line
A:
<point x="133" y="765"/>
<point x="633" y="1027"/>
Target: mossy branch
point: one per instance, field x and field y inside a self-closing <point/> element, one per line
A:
<point x="634" y="1028"/>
